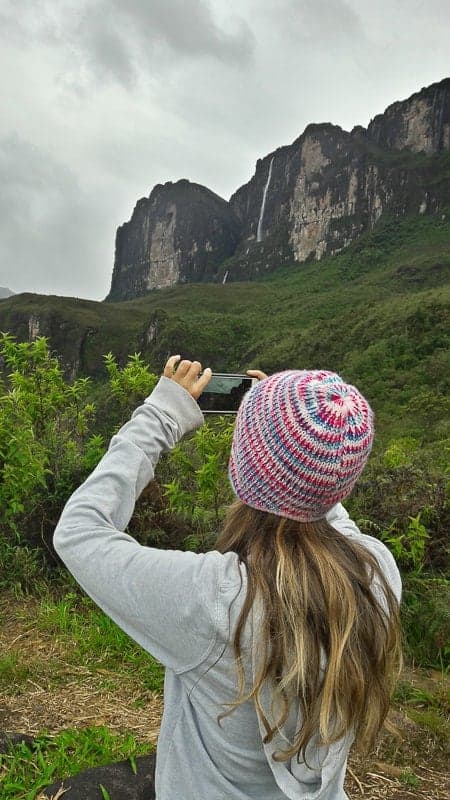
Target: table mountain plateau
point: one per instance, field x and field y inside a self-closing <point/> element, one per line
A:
<point x="305" y="200"/>
<point x="337" y="252"/>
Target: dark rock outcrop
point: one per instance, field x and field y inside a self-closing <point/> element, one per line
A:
<point x="8" y="740"/>
<point x="182" y="232"/>
<point x="420" y="124"/>
<point x="305" y="200"/>
<point x="119" y="780"/>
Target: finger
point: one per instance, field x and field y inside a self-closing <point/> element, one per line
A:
<point x="183" y="368"/>
<point x="202" y="382"/>
<point x="257" y="373"/>
<point x="194" y="370"/>
<point x="170" y="366"/>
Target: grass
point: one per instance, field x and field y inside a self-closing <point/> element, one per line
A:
<point x="97" y="640"/>
<point x="409" y="778"/>
<point x="13" y="672"/>
<point x="427" y="705"/>
<point x="66" y="648"/>
<point x="27" y="770"/>
<point x="436" y="698"/>
<point x="88" y="639"/>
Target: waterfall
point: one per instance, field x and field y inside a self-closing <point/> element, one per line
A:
<point x="225" y="277"/>
<point x="263" y="205"/>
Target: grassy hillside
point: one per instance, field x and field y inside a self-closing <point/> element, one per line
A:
<point x="377" y="313"/>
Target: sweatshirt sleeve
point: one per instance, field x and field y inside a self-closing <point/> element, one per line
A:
<point x="166" y="600"/>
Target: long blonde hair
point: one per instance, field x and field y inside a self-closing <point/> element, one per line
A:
<point x="316" y="586"/>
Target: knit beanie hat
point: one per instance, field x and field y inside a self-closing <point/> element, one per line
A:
<point x="301" y="440"/>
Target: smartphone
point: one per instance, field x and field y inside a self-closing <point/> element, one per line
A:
<point x="224" y="393"/>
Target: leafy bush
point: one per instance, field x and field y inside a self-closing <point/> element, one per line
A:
<point x="403" y="499"/>
<point x="45" y="445"/>
<point x="23" y="568"/>
<point x="48" y="445"/>
<point x="199" y="490"/>
<point x="52" y="435"/>
<point x="426" y="620"/>
<point x="130" y="385"/>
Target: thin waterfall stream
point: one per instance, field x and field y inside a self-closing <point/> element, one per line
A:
<point x="259" y="232"/>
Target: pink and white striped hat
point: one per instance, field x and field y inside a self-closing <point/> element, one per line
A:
<point x="301" y="440"/>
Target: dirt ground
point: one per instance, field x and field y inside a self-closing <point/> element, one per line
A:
<point x="391" y="771"/>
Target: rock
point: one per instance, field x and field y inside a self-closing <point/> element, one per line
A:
<point x="181" y="233"/>
<point x="118" y="779"/>
<point x="421" y="123"/>
<point x="320" y="193"/>
<point x="8" y="740"/>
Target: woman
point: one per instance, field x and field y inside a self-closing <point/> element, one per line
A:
<point x="282" y="645"/>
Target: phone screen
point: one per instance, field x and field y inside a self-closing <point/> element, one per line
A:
<point x="224" y="393"/>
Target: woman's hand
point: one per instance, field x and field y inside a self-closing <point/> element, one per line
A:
<point x="256" y="373"/>
<point x="188" y="374"/>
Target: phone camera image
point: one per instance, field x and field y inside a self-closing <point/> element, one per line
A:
<point x="224" y="393"/>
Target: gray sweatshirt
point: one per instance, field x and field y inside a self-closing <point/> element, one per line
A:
<point x="182" y="608"/>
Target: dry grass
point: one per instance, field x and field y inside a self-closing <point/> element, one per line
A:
<point x="80" y="703"/>
<point x="57" y="695"/>
<point x="62" y="695"/>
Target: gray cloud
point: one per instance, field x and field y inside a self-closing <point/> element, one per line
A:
<point x="114" y="40"/>
<point x="319" y="21"/>
<point x="47" y="229"/>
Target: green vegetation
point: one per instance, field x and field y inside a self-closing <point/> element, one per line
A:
<point x="377" y="313"/>
<point x="49" y="444"/>
<point x="95" y="640"/>
<point x="27" y="770"/>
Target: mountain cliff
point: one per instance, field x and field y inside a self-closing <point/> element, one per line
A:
<point x="306" y="200"/>
<point x="182" y="232"/>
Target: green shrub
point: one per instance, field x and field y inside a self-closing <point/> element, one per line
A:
<point x="199" y="490"/>
<point x="52" y="436"/>
<point x="426" y="620"/>
<point x="44" y="428"/>
<point x="130" y="385"/>
<point x="408" y="548"/>
<point x="402" y="498"/>
<point x="48" y="446"/>
<point x="23" y="568"/>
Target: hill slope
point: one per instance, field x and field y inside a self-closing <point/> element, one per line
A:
<point x="378" y="313"/>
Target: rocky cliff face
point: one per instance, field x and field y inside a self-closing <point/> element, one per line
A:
<point x="421" y="123"/>
<point x="182" y="232"/>
<point x="305" y="200"/>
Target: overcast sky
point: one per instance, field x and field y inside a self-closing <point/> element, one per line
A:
<point x="101" y="99"/>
